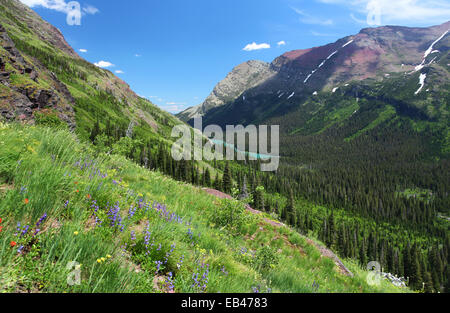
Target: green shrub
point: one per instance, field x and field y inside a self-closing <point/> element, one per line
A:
<point x="230" y="215"/>
<point x="266" y="258"/>
<point x="49" y="119"/>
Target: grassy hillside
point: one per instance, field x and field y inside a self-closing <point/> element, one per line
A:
<point x="95" y="94"/>
<point x="129" y="228"/>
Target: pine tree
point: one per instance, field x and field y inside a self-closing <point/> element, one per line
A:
<point x="227" y="182"/>
<point x="331" y="231"/>
<point x="217" y="183"/>
<point x="429" y="288"/>
<point x="289" y="210"/>
<point x="244" y="192"/>
<point x="447" y="282"/>
<point x="95" y="131"/>
<point x="149" y="158"/>
<point x="207" y="176"/>
<point x="372" y="251"/>
<point x="416" y="271"/>
<point x="143" y="157"/>
<point x="436" y="266"/>
<point x="407" y="260"/>
<point x="362" y="253"/>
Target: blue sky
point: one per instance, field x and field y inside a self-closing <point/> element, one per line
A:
<point x="174" y="52"/>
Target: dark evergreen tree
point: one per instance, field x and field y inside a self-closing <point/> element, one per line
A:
<point x="227" y="181"/>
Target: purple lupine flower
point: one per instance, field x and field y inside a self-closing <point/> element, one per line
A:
<point x="39" y="223"/>
<point x="18" y="229"/>
<point x="131" y="212"/>
<point x="115" y="217"/>
<point x="224" y="271"/>
<point x="180" y="262"/>
<point x="168" y="254"/>
<point x="124" y="249"/>
<point x="169" y="283"/>
<point x="147" y="237"/>
<point x="41" y="220"/>
<point x="25" y="231"/>
<point x="158" y="266"/>
<point x="201" y="283"/>
<point x="133" y="238"/>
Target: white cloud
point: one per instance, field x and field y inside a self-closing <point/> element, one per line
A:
<point x="176" y="103"/>
<point x="174" y="108"/>
<point x="309" y="19"/>
<point x="104" y="64"/>
<point x="319" y="34"/>
<point x="357" y="20"/>
<point x="89" y="9"/>
<point x="120" y="72"/>
<point x="83" y="50"/>
<point x="399" y="11"/>
<point x="57" y="5"/>
<point x="254" y="46"/>
<point x="281" y="43"/>
<point x="137" y="55"/>
<point x="155" y="98"/>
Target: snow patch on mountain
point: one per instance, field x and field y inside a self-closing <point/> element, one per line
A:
<point x="347" y="43"/>
<point x="421" y="83"/>
<point x="292" y="94"/>
<point x="308" y="77"/>
<point x="331" y="55"/>
<point x="430" y="51"/>
<point x="321" y="64"/>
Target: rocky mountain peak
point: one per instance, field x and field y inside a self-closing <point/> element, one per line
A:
<point x="243" y="77"/>
<point x="45" y="31"/>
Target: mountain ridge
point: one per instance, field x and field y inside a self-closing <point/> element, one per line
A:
<point x="73" y="90"/>
<point x="373" y="53"/>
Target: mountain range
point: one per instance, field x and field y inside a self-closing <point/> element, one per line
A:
<point x="415" y="60"/>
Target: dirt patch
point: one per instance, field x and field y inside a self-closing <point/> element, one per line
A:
<point x="90" y="224"/>
<point x="325" y="252"/>
<point x="6" y="188"/>
<point x="159" y="284"/>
